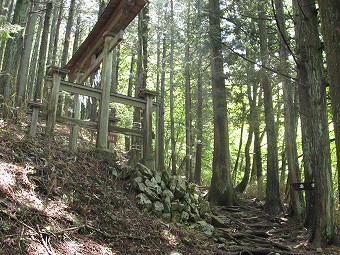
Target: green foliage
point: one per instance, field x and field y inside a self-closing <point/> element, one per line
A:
<point x="7" y="30"/>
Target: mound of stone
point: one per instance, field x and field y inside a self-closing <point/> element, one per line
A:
<point x="171" y="198"/>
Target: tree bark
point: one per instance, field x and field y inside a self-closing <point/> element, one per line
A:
<point x="161" y="146"/>
<point x="330" y="20"/>
<point x="221" y="191"/>
<point x="33" y="62"/>
<point x="56" y="37"/>
<point x="171" y="81"/>
<point x="199" y="108"/>
<point x="187" y="74"/>
<point x="43" y="54"/>
<point x="323" y="228"/>
<point x="25" y="56"/>
<point x="273" y="201"/>
<point x="69" y="25"/>
<point x="296" y="205"/>
<point x="12" y="56"/>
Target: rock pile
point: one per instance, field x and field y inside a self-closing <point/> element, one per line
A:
<point x="169" y="197"/>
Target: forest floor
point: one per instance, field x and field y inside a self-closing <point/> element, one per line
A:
<point x="53" y="201"/>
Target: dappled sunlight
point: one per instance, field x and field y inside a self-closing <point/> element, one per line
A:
<point x="29" y="199"/>
<point x="80" y="246"/>
<point x="171" y="238"/>
<point x="7" y="180"/>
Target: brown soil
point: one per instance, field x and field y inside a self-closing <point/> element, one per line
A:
<point x="53" y="201"/>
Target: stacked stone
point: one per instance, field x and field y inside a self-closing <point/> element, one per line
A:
<point x="169" y="197"/>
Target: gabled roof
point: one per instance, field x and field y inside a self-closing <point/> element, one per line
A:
<point x="117" y="15"/>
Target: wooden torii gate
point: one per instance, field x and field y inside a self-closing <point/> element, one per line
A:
<point x="94" y="51"/>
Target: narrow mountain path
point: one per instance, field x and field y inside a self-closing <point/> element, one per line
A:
<point x="247" y="229"/>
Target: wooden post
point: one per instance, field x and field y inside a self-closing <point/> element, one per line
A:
<point x="75" y="128"/>
<point x="53" y="102"/>
<point x="113" y="120"/>
<point x="148" y="159"/>
<point x="35" y="114"/>
<point x="104" y="110"/>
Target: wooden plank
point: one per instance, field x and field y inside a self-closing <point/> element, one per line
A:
<point x="96" y="63"/>
<point x="96" y="92"/>
<point x="117" y="16"/>
<point x="104" y="103"/>
<point x="52" y="104"/>
<point x="126" y="131"/>
<point x="80" y="89"/>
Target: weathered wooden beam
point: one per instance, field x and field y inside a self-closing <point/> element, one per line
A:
<point x="96" y="93"/>
<point x="35" y="114"/>
<point x="117" y="16"/>
<point x="104" y="104"/>
<point x="96" y="63"/>
<point x="126" y="131"/>
<point x="148" y="159"/>
<point x="52" y="105"/>
<point x="80" y="89"/>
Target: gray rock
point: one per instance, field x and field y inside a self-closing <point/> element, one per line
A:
<point x="165" y="177"/>
<point x="176" y="216"/>
<point x="141" y="187"/>
<point x="158" y="206"/>
<point x="163" y="185"/>
<point x="166" y="216"/>
<point x="177" y="206"/>
<point x="158" y="178"/>
<point x="194" y="217"/>
<point x="167" y="194"/>
<point x="181" y="188"/>
<point x="167" y="205"/>
<point x="151" y="195"/>
<point x="152" y="184"/>
<point x="126" y="172"/>
<point x="185" y="216"/>
<point x="219" y="222"/>
<point x="206" y="228"/>
<point x="144" y="202"/>
<point x="172" y="184"/>
<point x="204" y="207"/>
<point x="144" y="170"/>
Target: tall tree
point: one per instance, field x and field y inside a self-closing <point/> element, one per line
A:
<point x="322" y="223"/>
<point x="34" y="57"/>
<point x="12" y="55"/>
<point x="43" y="54"/>
<point x="187" y="74"/>
<point x="273" y="200"/>
<point x="330" y="20"/>
<point x="22" y="77"/>
<point x="142" y="68"/>
<point x="305" y="108"/>
<point x="296" y="198"/>
<point x="67" y="38"/>
<point x="53" y="32"/>
<point x="252" y="107"/>
<point x="161" y="106"/>
<point x="56" y="36"/>
<point x="171" y="82"/>
<point x="221" y="191"/>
